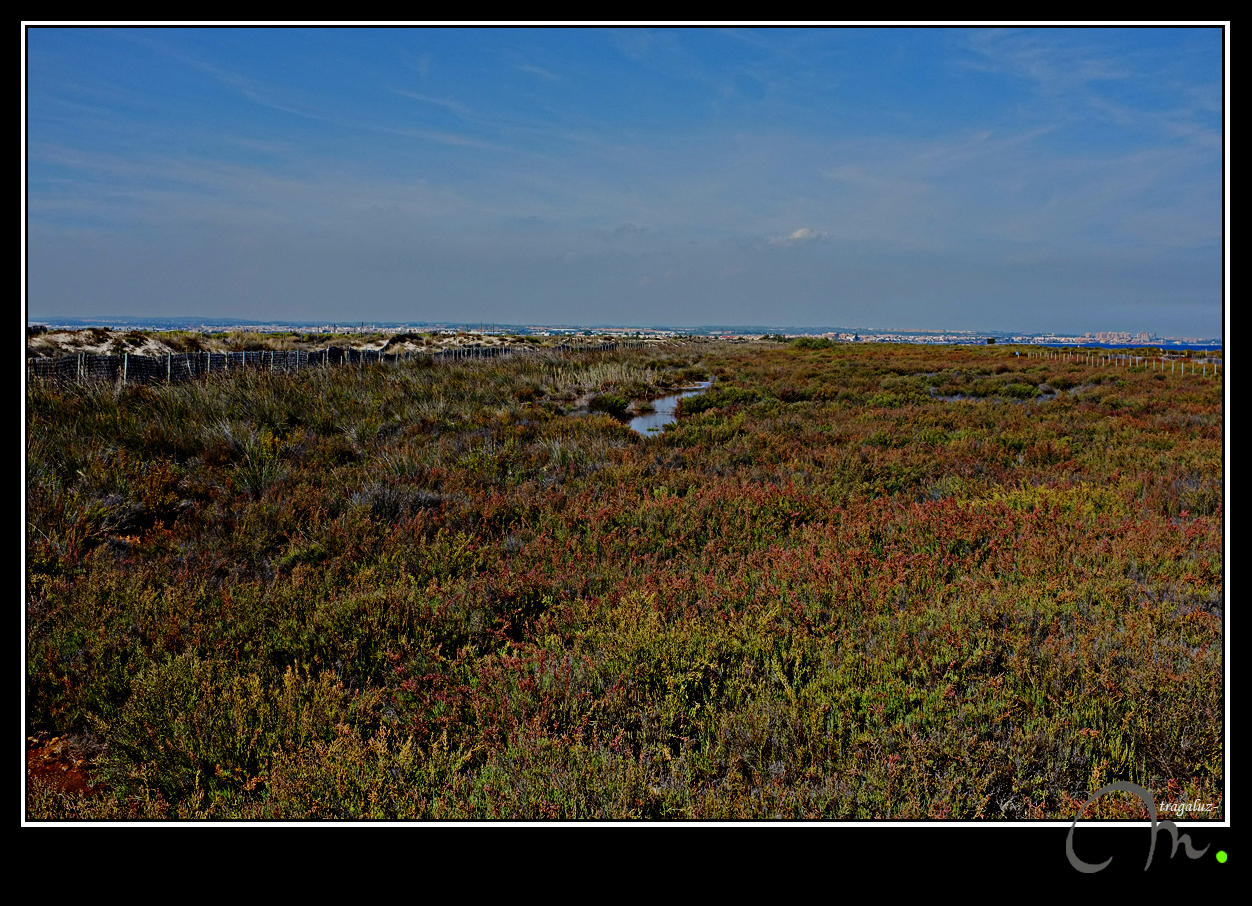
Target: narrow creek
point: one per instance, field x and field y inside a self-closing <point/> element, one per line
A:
<point x="653" y="422"/>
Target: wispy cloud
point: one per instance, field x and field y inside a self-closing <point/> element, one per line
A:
<point x="1087" y="77"/>
<point x="537" y="71"/>
<point x="1178" y="122"/>
<point x="1054" y="61"/>
<point x="639" y="44"/>
<point x="444" y="138"/>
<point x="253" y="89"/>
<point x="448" y="104"/>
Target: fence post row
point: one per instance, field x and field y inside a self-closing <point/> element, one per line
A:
<point x="85" y="366"/>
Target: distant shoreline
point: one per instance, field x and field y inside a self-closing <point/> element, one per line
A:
<point x="845" y="334"/>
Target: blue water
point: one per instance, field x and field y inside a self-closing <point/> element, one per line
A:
<point x="1168" y="346"/>
<point x="655" y="422"/>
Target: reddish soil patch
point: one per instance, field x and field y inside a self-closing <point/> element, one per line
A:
<point x="61" y="763"/>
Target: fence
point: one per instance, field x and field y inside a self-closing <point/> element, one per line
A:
<point x="1172" y="364"/>
<point x="182" y="366"/>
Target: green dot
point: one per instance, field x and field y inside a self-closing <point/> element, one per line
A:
<point x="1221" y="856"/>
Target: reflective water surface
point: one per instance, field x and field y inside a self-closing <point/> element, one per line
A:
<point x="664" y="414"/>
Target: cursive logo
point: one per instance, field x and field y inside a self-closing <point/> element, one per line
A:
<point x="1150" y="802"/>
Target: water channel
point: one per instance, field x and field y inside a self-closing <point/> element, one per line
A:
<point x="653" y="422"/>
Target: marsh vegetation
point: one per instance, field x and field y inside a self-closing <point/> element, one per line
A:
<point x="853" y="581"/>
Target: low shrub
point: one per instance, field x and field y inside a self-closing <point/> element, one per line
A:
<point x="610" y="404"/>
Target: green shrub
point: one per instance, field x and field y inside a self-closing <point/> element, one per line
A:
<point x="812" y="343"/>
<point x="717" y="398"/>
<point x="610" y="404"/>
<point x="1018" y="390"/>
<point x="193" y="724"/>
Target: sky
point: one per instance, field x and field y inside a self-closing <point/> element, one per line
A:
<point x="1007" y="179"/>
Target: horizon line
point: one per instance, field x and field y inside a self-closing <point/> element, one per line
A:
<point x="104" y="320"/>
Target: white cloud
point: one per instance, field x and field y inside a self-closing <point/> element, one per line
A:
<point x="804" y="234"/>
<point x="535" y="70"/>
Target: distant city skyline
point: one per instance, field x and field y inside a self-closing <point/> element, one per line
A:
<point x="844" y="331"/>
<point x="1019" y="180"/>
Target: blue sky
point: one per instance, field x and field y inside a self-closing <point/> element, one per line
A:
<point x="964" y="178"/>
